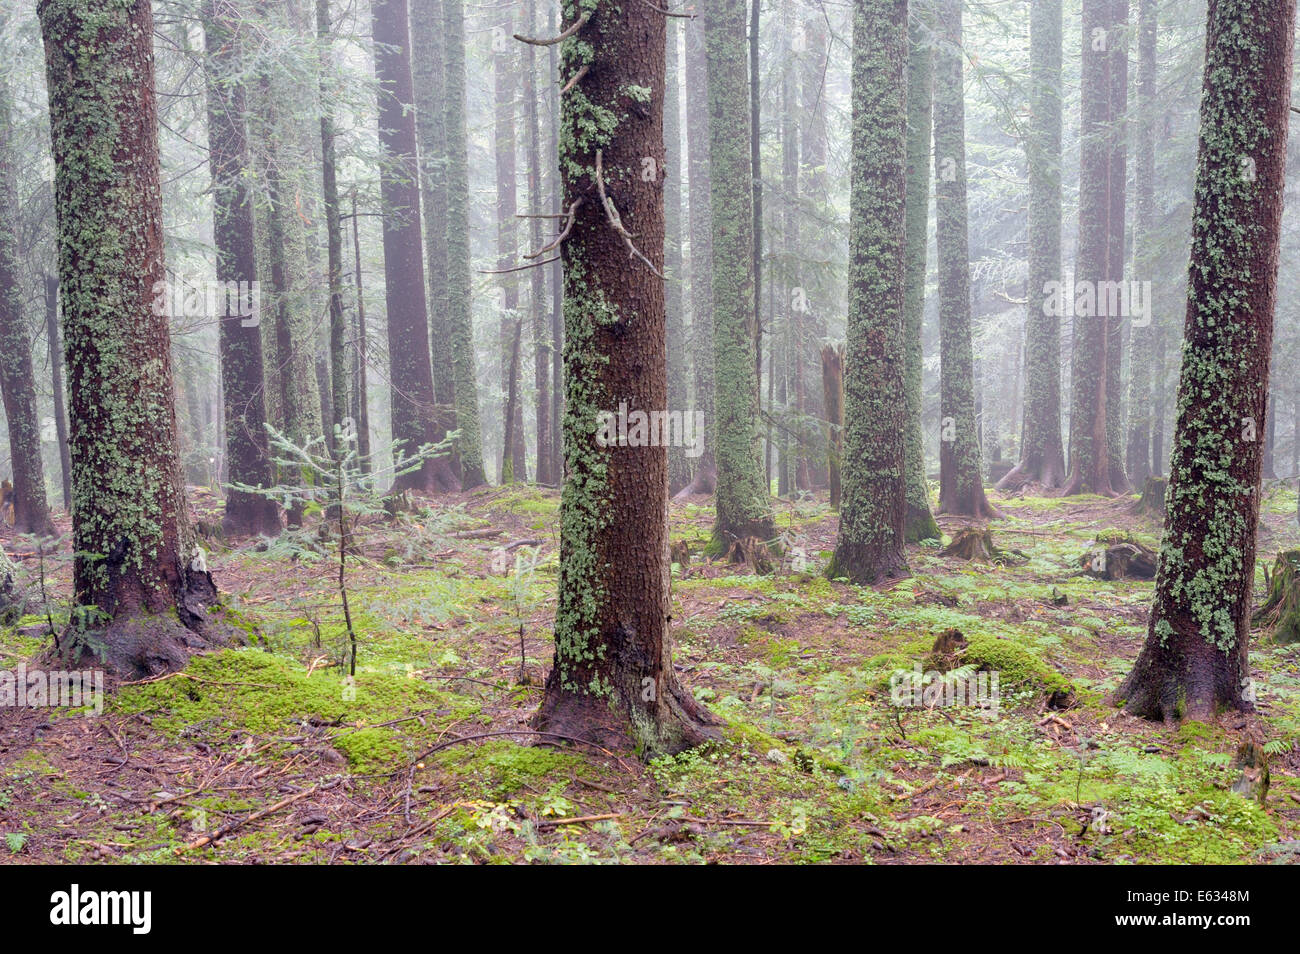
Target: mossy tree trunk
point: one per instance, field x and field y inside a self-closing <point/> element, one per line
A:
<point x="743" y="508"/>
<point x="17" y="378"/>
<point x="833" y="400"/>
<point x="414" y="409"/>
<point x="961" y="486"/>
<point x="57" y="385"/>
<point x="919" y="523"/>
<point x="869" y="547"/>
<point x="613" y="681"/>
<point x="1042" y="457"/>
<point x="814" y="179"/>
<point x="459" y="280"/>
<point x="248" y="456"/>
<point x="1194" y="662"/>
<point x="131" y="532"/>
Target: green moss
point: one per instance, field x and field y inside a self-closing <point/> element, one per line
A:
<point x="503" y="768"/>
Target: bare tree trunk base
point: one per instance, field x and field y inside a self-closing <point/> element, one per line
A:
<point x="1183" y="679"/>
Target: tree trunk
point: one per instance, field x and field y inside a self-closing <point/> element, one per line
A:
<point x="1142" y="353"/>
<point x="1194" y="662"/>
<point x="961" y="487"/>
<point x="338" y="383"/>
<point x="919" y="523"/>
<point x="743" y="509"/>
<point x="816" y="195"/>
<point x="143" y="601"/>
<point x="248" y="456"/>
<point x="56" y="385"/>
<point x="869" y="548"/>
<point x="1042" y="458"/>
<point x="1094" y="324"/>
<point x="428" y="71"/>
<point x="17" y="378"/>
<point x="679" y="470"/>
<point x="413" y="406"/>
<point x="459" y="282"/>
<point x="612" y="681"/>
<point x="700" y="227"/>
<point x="1117" y="180"/>
<point x="542" y="343"/>
<point x="514" y="464"/>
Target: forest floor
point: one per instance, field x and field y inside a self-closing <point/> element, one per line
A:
<point x="266" y="754"/>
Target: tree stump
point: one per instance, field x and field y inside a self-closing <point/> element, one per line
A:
<point x="974" y="543"/>
<point x="1253" y="765"/>
<point x="1152" y="501"/>
<point x="1119" y="561"/>
<point x="754" y="552"/>
<point x="945" y="654"/>
<point x="1280" y="614"/>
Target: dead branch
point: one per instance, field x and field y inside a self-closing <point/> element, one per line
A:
<point x="616" y="221"/>
<point x="568" y="227"/>
<point x="578" y="25"/>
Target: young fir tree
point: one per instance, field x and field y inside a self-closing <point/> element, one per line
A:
<point x="248" y="456"/>
<point x="873" y="499"/>
<point x="743" y="508"/>
<point x="1194" y="662"/>
<point x="17" y="378"/>
<point x="612" y="681"/>
<point x="459" y="280"/>
<point x="143" y="596"/>
<point x="413" y="405"/>
<point x="961" y="487"/>
<point x="1042" y="457"/>
<point x="919" y="523"/>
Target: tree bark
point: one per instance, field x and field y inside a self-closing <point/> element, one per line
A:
<point x="1194" y="662"/>
<point x="143" y="601"/>
<point x="248" y="456"/>
<point x="17" y="378"/>
<point x="612" y="681"/>
<point x="961" y="487"/>
<point x="57" y="386"/>
<point x="873" y="506"/>
<point x="1042" y="457"/>
<point x="743" y="509"/>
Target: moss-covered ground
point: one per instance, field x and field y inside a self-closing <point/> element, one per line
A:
<point x="425" y="756"/>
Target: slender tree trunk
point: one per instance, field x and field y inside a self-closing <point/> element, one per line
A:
<point x="361" y="389"/>
<point x="743" y="508"/>
<point x="961" y="488"/>
<point x="700" y="228"/>
<point x="874" y="485"/>
<point x="428" y="71"/>
<point x="613" y="681"/>
<point x="338" y="383"/>
<point x="542" y="343"/>
<point x="248" y="457"/>
<point x="1117" y="179"/>
<point x="17" y="378"/>
<point x="142" y="601"/>
<point x="679" y="471"/>
<point x="1090" y="376"/>
<point x="413" y="404"/>
<point x="459" y="283"/>
<point x="919" y="523"/>
<point x="815" y="197"/>
<point x="1141" y="365"/>
<point x="1042" y="457"/>
<point x="56" y="385"/>
<point x="505" y="67"/>
<point x="1194" y="662"/>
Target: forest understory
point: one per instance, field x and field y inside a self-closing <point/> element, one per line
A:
<point x="265" y="754"/>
